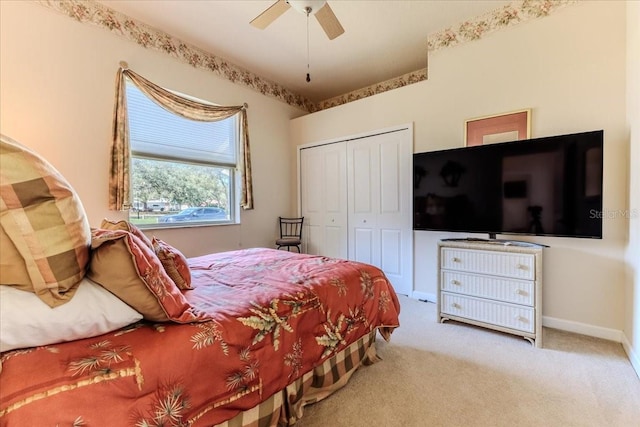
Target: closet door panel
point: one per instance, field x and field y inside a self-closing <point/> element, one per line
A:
<point x="312" y="237"/>
<point x="333" y="174"/>
<point x="394" y="219"/>
<point x="311" y="200"/>
<point x="390" y="179"/>
<point x="363" y="201"/>
<point x="334" y="190"/>
<point x="324" y="199"/>
<point x="361" y="166"/>
<point x="363" y="246"/>
<point x="380" y="186"/>
<point x="333" y="242"/>
<point x="312" y="164"/>
<point x="391" y="248"/>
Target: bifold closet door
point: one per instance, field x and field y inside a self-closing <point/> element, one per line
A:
<point x="379" y="202"/>
<point x="323" y="197"/>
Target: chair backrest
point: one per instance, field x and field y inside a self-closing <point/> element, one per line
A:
<point x="291" y="227"/>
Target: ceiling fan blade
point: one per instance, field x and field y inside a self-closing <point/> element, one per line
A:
<point x="270" y="14"/>
<point x="329" y="22"/>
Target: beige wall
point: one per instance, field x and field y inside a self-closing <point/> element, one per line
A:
<point x="57" y="92"/>
<point x="632" y="291"/>
<point x="569" y="68"/>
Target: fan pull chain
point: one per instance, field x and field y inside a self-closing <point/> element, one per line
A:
<point x="308" y="10"/>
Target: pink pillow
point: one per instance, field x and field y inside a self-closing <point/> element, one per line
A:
<point x="174" y="263"/>
<point x="124" y="265"/>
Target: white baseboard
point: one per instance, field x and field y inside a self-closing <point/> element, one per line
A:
<point x="566" y="325"/>
<point x="570" y="326"/>
<point x="424" y="296"/>
<point x="583" y="328"/>
<point x="633" y="356"/>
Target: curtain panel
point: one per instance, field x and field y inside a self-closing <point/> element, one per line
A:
<point x="120" y="160"/>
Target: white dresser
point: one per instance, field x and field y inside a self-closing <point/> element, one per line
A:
<point x="495" y="284"/>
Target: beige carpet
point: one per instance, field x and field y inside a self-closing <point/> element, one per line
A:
<point x="454" y="374"/>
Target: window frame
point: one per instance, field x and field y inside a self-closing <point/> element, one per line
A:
<point x="234" y="187"/>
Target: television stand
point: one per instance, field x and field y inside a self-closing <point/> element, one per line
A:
<point x="491" y="283"/>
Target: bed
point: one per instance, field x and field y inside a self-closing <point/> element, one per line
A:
<point x="240" y="338"/>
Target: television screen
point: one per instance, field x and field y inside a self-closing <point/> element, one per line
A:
<point x="548" y="186"/>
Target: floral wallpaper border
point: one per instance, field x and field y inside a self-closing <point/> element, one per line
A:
<point x="511" y="14"/>
<point x="394" y="83"/>
<point x="514" y="13"/>
<point x="88" y="11"/>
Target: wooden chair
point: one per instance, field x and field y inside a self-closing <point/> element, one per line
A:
<point x="290" y="233"/>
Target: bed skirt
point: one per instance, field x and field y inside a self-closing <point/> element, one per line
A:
<point x="286" y="407"/>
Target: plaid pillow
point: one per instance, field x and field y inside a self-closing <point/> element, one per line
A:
<point x="174" y="263"/>
<point x="45" y="232"/>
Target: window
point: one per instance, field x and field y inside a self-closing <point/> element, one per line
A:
<point x="182" y="170"/>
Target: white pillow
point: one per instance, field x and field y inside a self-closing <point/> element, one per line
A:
<point x="26" y="321"/>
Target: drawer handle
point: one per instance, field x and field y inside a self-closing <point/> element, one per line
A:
<point x="522" y="267"/>
<point x="455" y="259"/>
<point x="521" y="319"/>
<point x="522" y="292"/>
<point x="455" y="305"/>
<point x="455" y="282"/>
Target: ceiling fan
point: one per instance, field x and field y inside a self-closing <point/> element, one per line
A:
<point x="319" y="8"/>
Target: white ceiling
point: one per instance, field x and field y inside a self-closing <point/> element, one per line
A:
<point x="382" y="39"/>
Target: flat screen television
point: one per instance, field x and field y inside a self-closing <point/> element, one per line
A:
<point x="549" y="186"/>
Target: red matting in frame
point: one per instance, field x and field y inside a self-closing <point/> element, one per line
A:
<point x="499" y="128"/>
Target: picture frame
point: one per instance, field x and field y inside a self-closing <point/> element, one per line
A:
<point x="511" y="126"/>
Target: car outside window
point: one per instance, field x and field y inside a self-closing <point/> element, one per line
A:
<point x="194" y="215"/>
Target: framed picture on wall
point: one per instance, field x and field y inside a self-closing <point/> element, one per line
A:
<point x="505" y="127"/>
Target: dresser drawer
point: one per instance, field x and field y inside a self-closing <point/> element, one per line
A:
<point x="501" y="289"/>
<point x="516" y="265"/>
<point x="493" y="312"/>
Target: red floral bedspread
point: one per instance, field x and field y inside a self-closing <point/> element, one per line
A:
<point x="275" y="316"/>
